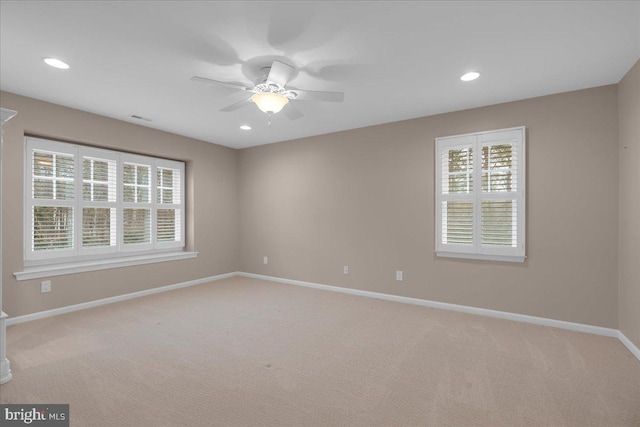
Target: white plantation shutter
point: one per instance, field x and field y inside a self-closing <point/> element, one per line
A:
<point x="480" y="181"/>
<point x="457" y="196"/>
<point x="99" y="203"/>
<point x="50" y="204"/>
<point x="170" y="202"/>
<point x="90" y="203"/>
<point x="499" y="196"/>
<point x="137" y="173"/>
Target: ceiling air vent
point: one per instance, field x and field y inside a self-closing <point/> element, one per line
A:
<point x="135" y="116"/>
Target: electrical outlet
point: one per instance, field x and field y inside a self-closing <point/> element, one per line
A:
<point x="265" y="260"/>
<point x="346" y="269"/>
<point x="45" y="286"/>
<point x="399" y="276"/>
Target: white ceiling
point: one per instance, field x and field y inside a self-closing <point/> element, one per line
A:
<point x="393" y="60"/>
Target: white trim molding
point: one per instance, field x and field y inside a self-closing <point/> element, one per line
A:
<point x="104" y="301"/>
<point x="48" y="270"/>
<point x="562" y="324"/>
<point x="6" y="114"/>
<point x="503" y="258"/>
<point x="5" y="370"/>
<point x="598" y="330"/>
<point x="631" y="346"/>
<point x="579" y="327"/>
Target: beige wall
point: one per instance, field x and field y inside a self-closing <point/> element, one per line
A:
<point x="629" y="249"/>
<point x="365" y="198"/>
<point x="211" y="205"/>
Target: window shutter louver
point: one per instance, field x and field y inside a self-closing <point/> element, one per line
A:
<point x="480" y="195"/>
<point x="457" y="227"/>
<point x="52" y="228"/>
<point x="457" y="166"/>
<point x="50" y="201"/>
<point x="499" y="178"/>
<point x="99" y="193"/>
<point x="169" y="183"/>
<point x="137" y="225"/>
<point x="136" y="185"/>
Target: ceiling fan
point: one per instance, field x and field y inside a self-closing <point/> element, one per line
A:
<point x="270" y="93"/>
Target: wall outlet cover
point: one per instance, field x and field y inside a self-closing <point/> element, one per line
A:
<point x="45" y="286"/>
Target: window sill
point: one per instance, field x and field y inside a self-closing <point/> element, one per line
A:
<point x="37" y="272"/>
<point x="504" y="258"/>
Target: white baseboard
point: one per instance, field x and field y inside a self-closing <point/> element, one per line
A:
<point x="96" y="303"/>
<point x="597" y="330"/>
<point x="631" y="346"/>
<point x="580" y="327"/>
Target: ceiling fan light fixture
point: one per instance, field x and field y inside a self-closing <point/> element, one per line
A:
<point x="270" y="102"/>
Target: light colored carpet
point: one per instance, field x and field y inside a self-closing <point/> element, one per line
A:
<point x="244" y="352"/>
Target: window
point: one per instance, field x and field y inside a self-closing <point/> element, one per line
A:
<point x="85" y="203"/>
<point x="480" y="195"/>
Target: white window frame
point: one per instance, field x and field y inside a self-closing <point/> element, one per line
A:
<point x="77" y="254"/>
<point x="516" y="136"/>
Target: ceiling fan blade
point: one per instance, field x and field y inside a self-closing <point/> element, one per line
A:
<point x="314" y="95"/>
<point x="237" y="105"/>
<point x="280" y="73"/>
<point x="218" y="83"/>
<point x="292" y="112"/>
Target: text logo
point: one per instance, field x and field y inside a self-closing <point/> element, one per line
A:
<point x="45" y="415"/>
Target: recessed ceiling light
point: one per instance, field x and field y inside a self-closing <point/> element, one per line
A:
<point x="472" y="75"/>
<point x="245" y="127"/>
<point x="56" y="63"/>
